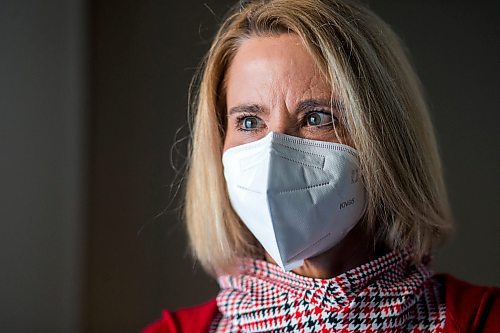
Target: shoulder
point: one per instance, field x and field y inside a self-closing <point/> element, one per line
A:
<point x="192" y="319"/>
<point x="470" y="308"/>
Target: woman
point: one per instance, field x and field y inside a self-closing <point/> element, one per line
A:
<point x="314" y="191"/>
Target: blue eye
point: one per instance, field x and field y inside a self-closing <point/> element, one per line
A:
<point x="248" y="123"/>
<point x="317" y="118"/>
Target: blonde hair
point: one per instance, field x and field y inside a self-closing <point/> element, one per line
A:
<point x="384" y="113"/>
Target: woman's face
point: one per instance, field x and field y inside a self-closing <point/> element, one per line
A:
<point x="274" y="85"/>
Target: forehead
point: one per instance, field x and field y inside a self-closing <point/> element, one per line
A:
<point x="271" y="70"/>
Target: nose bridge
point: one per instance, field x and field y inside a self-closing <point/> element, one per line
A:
<point x="280" y="120"/>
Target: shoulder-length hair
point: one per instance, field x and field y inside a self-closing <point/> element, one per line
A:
<point x="384" y="113"/>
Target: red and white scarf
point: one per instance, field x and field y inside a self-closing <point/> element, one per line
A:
<point x="388" y="294"/>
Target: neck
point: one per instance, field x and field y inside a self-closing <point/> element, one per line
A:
<point x="354" y="250"/>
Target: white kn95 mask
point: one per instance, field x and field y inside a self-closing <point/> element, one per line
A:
<point x="298" y="197"/>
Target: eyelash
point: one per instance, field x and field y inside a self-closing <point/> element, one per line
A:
<point x="242" y="116"/>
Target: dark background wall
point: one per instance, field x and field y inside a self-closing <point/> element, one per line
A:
<point x="91" y="96"/>
<point x="42" y="135"/>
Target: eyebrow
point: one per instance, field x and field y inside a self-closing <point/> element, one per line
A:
<point x="308" y="104"/>
<point x="246" y="108"/>
<point x="302" y="106"/>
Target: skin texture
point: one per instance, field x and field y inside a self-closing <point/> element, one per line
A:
<point x="273" y="84"/>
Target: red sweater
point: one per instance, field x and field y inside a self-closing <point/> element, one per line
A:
<point x="469" y="308"/>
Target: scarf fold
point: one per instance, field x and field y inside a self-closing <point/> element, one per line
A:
<point x="388" y="294"/>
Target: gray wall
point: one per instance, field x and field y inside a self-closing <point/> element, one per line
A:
<point x="42" y="51"/>
<point x="89" y="243"/>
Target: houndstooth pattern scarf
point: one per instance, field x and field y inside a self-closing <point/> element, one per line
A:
<point x="388" y="294"/>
